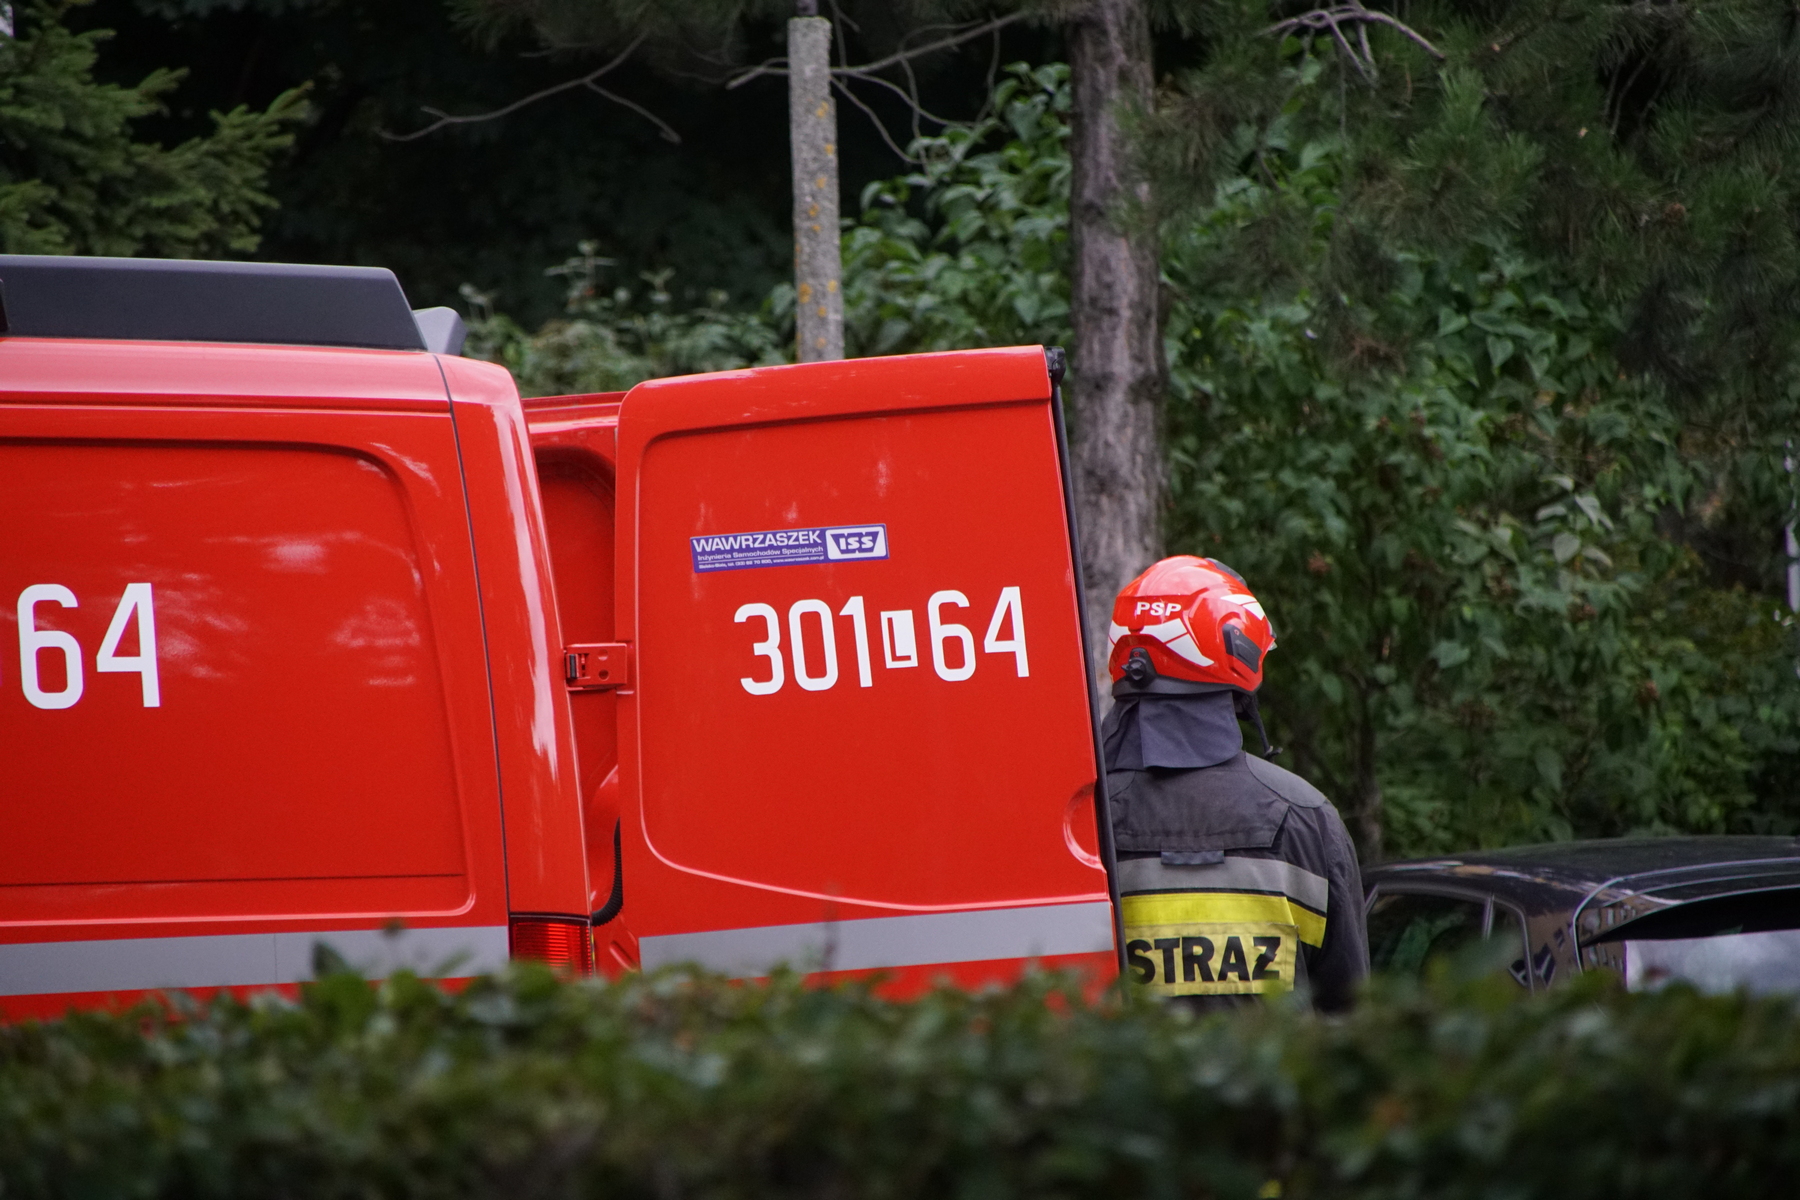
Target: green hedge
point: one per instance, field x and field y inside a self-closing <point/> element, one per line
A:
<point x="678" y="1087"/>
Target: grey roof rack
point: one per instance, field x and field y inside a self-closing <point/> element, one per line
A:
<point x="177" y="300"/>
<point x="442" y="329"/>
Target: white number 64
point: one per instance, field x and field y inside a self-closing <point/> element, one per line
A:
<point x="137" y="601"/>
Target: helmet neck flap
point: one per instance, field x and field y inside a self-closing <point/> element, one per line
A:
<point x="1179" y="732"/>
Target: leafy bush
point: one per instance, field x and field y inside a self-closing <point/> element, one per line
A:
<point x="972" y="248"/>
<point x="679" y="1085"/>
<point x="611" y="340"/>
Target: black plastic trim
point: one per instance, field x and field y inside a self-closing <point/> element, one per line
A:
<point x="1055" y="362"/>
<point x="175" y="300"/>
<point x="616" y="900"/>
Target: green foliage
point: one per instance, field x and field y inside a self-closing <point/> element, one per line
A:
<point x="1474" y="528"/>
<point x="972" y="248"/>
<point x="969" y="250"/>
<point x="1646" y="152"/>
<point x="1649" y="147"/>
<point x="1420" y="435"/>
<point x="74" y="181"/>
<point x="1428" y="461"/>
<point x="689" y="1085"/>
<point x="1449" y="495"/>
<point x="612" y="340"/>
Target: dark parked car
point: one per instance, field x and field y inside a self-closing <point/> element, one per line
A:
<point x="1719" y="912"/>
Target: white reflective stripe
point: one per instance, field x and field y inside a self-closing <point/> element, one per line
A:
<point x="1235" y="874"/>
<point x="1249" y="602"/>
<point x="1174" y="636"/>
<point x="909" y="941"/>
<point x="242" y="959"/>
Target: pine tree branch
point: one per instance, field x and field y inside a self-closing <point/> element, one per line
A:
<point x="1333" y="21"/>
<point x="870" y="113"/>
<point x="910" y="96"/>
<point x="776" y="66"/>
<point x="1367" y="72"/>
<point x="967" y="35"/>
<point x="668" y="131"/>
<point x="590" y="81"/>
<point x="869" y="73"/>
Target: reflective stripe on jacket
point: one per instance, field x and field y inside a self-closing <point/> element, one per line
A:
<point x="1236" y="880"/>
<point x="1231" y="927"/>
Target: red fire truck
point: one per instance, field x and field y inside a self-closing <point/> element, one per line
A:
<point x="316" y="634"/>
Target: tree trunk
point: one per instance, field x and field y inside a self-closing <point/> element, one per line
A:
<point x="812" y="136"/>
<point x="1116" y="368"/>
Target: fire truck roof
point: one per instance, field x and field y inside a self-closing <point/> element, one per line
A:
<point x="175" y="300"/>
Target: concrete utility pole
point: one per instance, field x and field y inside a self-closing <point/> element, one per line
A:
<point x="812" y="135"/>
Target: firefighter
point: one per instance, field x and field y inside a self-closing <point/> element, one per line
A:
<point x="1236" y="878"/>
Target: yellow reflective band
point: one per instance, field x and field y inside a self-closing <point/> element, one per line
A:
<point x="1232" y="959"/>
<point x="1188" y="908"/>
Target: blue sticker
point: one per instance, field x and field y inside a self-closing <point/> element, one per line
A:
<point x="788" y="547"/>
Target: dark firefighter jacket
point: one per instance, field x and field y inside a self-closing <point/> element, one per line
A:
<point x="1236" y="880"/>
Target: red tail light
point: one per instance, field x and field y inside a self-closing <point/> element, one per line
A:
<point x="566" y="943"/>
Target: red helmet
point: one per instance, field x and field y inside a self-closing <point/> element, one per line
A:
<point x="1189" y="619"/>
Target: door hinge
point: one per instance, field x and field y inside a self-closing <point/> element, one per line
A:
<point x="592" y="666"/>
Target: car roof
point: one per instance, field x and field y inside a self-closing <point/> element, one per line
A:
<point x="1563" y="875"/>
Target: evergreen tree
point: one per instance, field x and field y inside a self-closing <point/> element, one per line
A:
<point x="75" y="180"/>
<point x="1370" y="195"/>
<point x="1651" y="151"/>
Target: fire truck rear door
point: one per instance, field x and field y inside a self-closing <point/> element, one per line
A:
<point x="857" y="734"/>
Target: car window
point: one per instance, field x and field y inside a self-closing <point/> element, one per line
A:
<point x="1763" y="962"/>
<point x="1720" y="944"/>
<point x="1715" y="916"/>
<point x="1407" y="930"/>
<point x="1509" y="927"/>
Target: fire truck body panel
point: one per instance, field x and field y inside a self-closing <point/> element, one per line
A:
<point x="857" y="726"/>
<point x="248" y="718"/>
<point x="539" y="779"/>
<point x="575" y="441"/>
<point x="329" y="645"/>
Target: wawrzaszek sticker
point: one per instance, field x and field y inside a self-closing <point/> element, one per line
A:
<point x="788" y="547"/>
